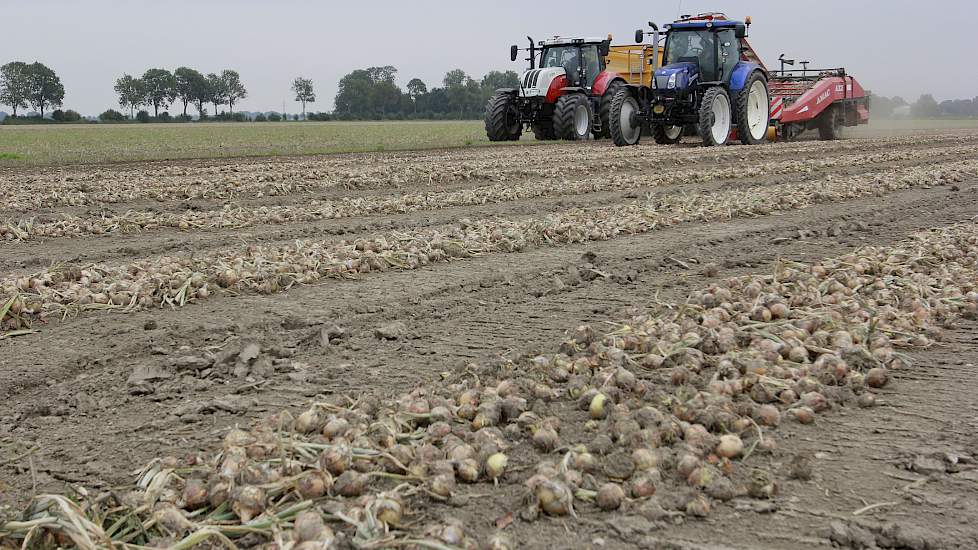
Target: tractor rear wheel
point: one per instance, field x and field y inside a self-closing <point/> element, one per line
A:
<point x="544" y="131"/>
<point x="829" y="125"/>
<point x="715" y="120"/>
<point x="667" y="135"/>
<point x="605" y="107"/>
<point x="622" y="126"/>
<point x="753" y="110"/>
<point x="503" y="118"/>
<point x="572" y="117"/>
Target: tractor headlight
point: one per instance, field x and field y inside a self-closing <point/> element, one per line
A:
<point x="672" y="81"/>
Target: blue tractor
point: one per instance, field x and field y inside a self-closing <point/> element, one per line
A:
<point x="710" y="79"/>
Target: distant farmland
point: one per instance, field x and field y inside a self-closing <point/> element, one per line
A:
<point x="64" y="144"/>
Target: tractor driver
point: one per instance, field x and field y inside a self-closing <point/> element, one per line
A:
<point x="568" y="60"/>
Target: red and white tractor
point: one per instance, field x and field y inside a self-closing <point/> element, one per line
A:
<point x="566" y="93"/>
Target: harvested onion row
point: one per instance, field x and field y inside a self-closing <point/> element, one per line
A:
<point x="237" y="217"/>
<point x="178" y="280"/>
<point x="22" y="191"/>
<point x="677" y="404"/>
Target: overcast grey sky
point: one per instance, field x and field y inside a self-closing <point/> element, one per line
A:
<point x="903" y="47"/>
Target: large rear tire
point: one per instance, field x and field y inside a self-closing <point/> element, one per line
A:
<point x="624" y="107"/>
<point x="572" y="117"/>
<point x="753" y="110"/>
<point x="605" y="107"/>
<point x="503" y="118"/>
<point x="667" y="135"/>
<point x="715" y="120"/>
<point x="829" y="124"/>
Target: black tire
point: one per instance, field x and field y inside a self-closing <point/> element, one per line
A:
<point x="743" y="106"/>
<point x="624" y="101"/>
<point x="667" y="135"/>
<point x="503" y="118"/>
<point x="605" y="107"/>
<point x="566" y="113"/>
<point x="544" y="131"/>
<point x="707" y="119"/>
<point x="829" y="125"/>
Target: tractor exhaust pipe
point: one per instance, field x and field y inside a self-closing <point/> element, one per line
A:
<point x="640" y="37"/>
<point x="655" y="47"/>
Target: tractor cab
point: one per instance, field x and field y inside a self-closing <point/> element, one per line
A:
<point x="699" y="50"/>
<point x="582" y="59"/>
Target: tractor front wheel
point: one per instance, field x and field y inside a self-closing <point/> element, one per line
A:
<point x="753" y="110"/>
<point x="715" y="120"/>
<point x="572" y="117"/>
<point x="667" y="135"/>
<point x="623" y="126"/>
<point x="605" y="107"/>
<point x="503" y="118"/>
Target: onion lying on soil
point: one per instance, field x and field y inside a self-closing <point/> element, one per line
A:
<point x="705" y="436"/>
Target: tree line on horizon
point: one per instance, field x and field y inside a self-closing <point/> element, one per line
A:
<point x="373" y="94"/>
<point x="159" y="88"/>
<point x="926" y="106"/>
<point x="363" y="94"/>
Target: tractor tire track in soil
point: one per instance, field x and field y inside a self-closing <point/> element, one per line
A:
<point x="90" y="399"/>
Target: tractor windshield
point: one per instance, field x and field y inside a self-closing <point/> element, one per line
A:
<point x="558" y="56"/>
<point x="695" y="46"/>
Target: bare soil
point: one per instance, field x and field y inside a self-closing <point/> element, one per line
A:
<point x="78" y="407"/>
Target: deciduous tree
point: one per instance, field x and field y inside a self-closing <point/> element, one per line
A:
<point x="215" y="91"/>
<point x="304" y="92"/>
<point x="13" y="85"/>
<point x="416" y="89"/>
<point x="189" y="83"/>
<point x="160" y="87"/>
<point x="232" y="88"/>
<point x="44" y="88"/>
<point x="131" y="92"/>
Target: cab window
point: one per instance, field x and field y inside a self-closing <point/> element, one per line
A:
<point x="592" y="63"/>
<point x="729" y="52"/>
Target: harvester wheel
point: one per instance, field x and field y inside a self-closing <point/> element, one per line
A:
<point x="667" y="135"/>
<point x="624" y="129"/>
<point x="572" y="117"/>
<point x="544" y="131"/>
<point x="715" y="120"/>
<point x="753" y="110"/>
<point x="503" y="118"/>
<point x="605" y="108"/>
<point x="829" y="125"/>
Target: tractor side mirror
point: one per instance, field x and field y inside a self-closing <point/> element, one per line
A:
<point x="604" y="48"/>
<point x="740" y="30"/>
<point x="639" y="36"/>
<point x="514" y="52"/>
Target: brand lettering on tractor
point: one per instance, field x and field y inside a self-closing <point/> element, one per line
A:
<point x="839" y="88"/>
<point x="825" y="95"/>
